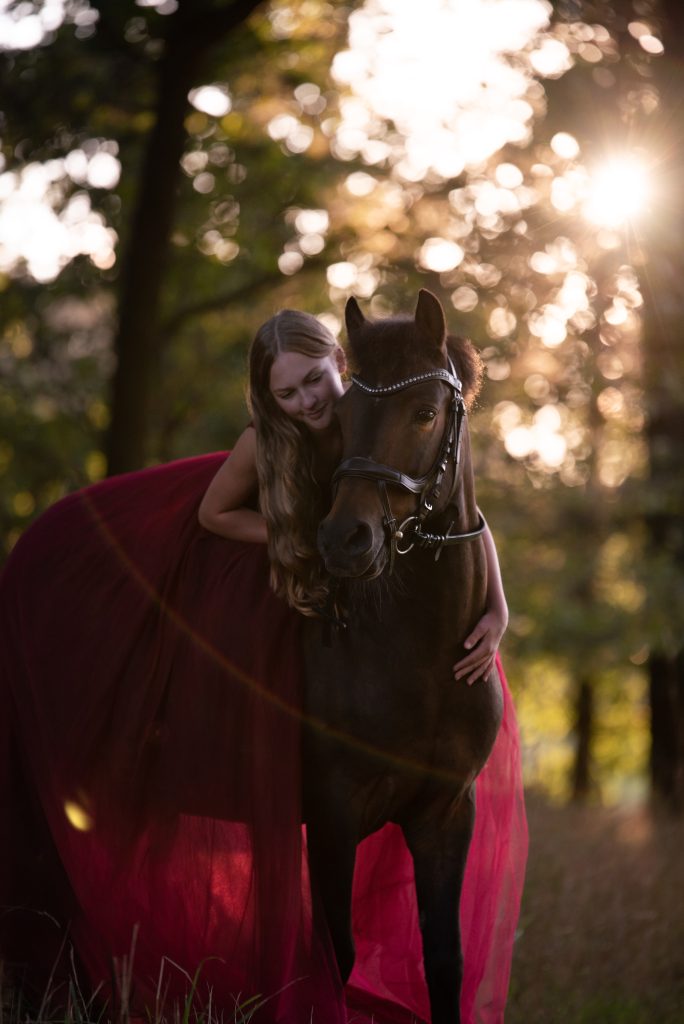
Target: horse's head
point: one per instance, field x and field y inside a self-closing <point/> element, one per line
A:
<point x="402" y="422"/>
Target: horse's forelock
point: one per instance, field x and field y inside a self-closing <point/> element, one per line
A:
<point x="384" y="351"/>
<point x="388" y="350"/>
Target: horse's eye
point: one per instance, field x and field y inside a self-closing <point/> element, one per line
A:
<point x="425" y="415"/>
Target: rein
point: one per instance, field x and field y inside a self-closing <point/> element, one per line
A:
<point x="429" y="486"/>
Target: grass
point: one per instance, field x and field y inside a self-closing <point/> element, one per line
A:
<point x="601" y="937"/>
<point x="60" y="1004"/>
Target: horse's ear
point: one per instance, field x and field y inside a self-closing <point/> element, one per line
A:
<point x="430" y="320"/>
<point x="353" y="317"/>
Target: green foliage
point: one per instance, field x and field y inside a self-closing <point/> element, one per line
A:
<point x="52" y="409"/>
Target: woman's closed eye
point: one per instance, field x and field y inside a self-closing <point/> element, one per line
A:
<point x="311" y="379"/>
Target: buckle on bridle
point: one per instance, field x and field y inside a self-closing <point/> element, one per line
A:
<point x="401" y="535"/>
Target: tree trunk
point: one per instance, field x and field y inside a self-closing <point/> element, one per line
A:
<point x="143" y="269"/>
<point x="581" y="776"/>
<point x="664" y="384"/>
<point x="666" y="688"/>
<point x="196" y="26"/>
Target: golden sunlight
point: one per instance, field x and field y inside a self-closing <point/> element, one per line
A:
<point x="452" y="75"/>
<point x="36" y="233"/>
<point x="543" y="441"/>
<point x="619" y="191"/>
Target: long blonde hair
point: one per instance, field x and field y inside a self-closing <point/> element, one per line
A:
<point x="290" y="497"/>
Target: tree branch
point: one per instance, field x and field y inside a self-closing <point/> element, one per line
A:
<point x="200" y="28"/>
<point x="176" y="321"/>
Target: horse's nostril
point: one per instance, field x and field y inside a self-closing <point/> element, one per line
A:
<point x="358" y="540"/>
<point x="349" y="540"/>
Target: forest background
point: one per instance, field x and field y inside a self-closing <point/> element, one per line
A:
<point x="174" y="171"/>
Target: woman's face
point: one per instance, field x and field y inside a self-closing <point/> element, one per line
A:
<point x="306" y="388"/>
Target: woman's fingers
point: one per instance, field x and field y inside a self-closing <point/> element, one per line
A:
<point x="481" y="646"/>
<point x="479" y="669"/>
<point x="477" y="662"/>
<point x="481" y="673"/>
<point x="473" y="638"/>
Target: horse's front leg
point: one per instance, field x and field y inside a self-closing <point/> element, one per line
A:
<point x="439" y="841"/>
<point x="331" y="845"/>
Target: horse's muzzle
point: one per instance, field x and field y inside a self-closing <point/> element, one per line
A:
<point x="351" y="549"/>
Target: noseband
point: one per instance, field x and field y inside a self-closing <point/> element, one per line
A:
<point x="427" y="487"/>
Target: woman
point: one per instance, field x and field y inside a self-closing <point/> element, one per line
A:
<point x="150" y="763"/>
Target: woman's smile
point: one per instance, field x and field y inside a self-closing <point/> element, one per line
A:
<point x="316" y="413"/>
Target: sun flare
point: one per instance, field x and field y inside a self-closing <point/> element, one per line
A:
<point x="619" y="192"/>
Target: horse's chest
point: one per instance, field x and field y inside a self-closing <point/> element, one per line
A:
<point x="384" y="687"/>
<point x="390" y="717"/>
<point x="386" y="717"/>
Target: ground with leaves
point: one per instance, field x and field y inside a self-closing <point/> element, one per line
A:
<point x="602" y="926"/>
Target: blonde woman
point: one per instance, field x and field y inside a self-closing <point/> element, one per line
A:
<point x="291" y="447"/>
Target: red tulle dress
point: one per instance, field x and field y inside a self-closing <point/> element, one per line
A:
<point x="150" y="782"/>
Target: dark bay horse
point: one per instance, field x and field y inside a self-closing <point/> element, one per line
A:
<point x="394" y="738"/>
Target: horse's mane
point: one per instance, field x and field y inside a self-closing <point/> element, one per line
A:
<point x="384" y="351"/>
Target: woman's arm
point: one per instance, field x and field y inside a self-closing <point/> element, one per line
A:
<point x="482" y="644"/>
<point x="223" y="508"/>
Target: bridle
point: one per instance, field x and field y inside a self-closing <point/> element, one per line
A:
<point x="404" y="536"/>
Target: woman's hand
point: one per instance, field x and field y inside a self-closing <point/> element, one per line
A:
<point x="482" y="645"/>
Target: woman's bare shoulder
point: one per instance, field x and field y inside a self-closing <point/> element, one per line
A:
<point x="246" y="444"/>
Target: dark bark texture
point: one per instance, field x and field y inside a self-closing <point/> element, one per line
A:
<point x="192" y="30"/>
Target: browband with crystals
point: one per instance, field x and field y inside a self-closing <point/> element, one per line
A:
<point x="389" y="389"/>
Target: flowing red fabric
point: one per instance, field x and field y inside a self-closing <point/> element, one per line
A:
<point x="150" y="787"/>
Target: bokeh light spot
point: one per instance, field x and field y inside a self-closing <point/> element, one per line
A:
<point x="77" y="816"/>
<point x="440" y="255"/>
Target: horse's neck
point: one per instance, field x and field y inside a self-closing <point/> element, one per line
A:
<point x="461" y="507"/>
<point x="424" y="591"/>
<point x="455" y="580"/>
<point x="327" y="452"/>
